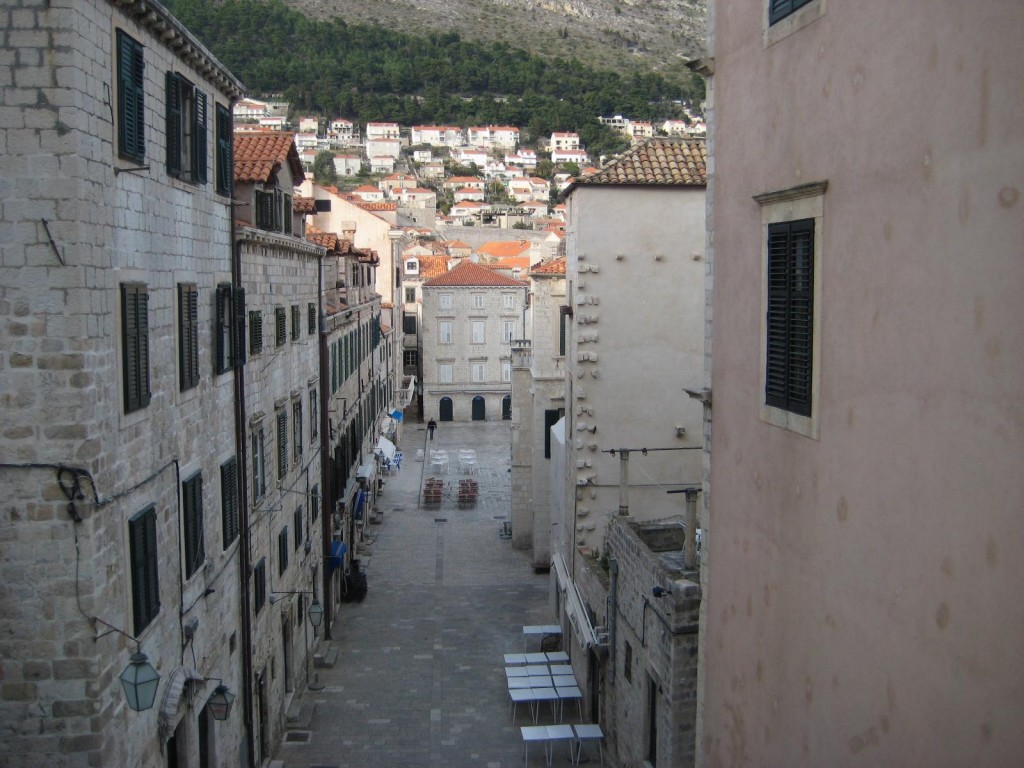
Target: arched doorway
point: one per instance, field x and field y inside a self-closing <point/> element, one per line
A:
<point x="506" y="408"/>
<point x="446" y="409"/>
<point x="479" y="409"/>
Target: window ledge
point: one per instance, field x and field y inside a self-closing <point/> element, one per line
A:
<point x="799" y="192"/>
<point x="796" y="21"/>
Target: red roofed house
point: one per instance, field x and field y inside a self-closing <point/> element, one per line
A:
<point x="470" y="317"/>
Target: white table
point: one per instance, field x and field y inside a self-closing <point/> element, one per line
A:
<point x="539" y="681"/>
<point x="540" y="629"/>
<point x="570" y="692"/>
<point x="588" y="732"/>
<point x="516" y="672"/>
<point x="515" y="658"/>
<point x="557" y="657"/>
<point x="537" y="669"/>
<point x="517" y="695"/>
<point x="562" y="681"/>
<point x="533" y="733"/>
<point x="536" y="658"/>
<point x="558" y="733"/>
<point x="518" y="682"/>
<point x="537" y="695"/>
<point x="560" y="669"/>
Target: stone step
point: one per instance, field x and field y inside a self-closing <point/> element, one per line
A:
<point x="326" y="659"/>
<point x="300" y="714"/>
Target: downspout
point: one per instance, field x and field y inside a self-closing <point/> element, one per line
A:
<point x="243" y="494"/>
<point x="326" y="456"/>
<point x="613" y="607"/>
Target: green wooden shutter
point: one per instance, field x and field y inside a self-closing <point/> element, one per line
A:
<point x="790" y="316"/>
<point x="229" y="500"/>
<point x="130" y="98"/>
<point x="297" y="524"/>
<point x="200" y="125"/>
<point x="312" y="318"/>
<point x="282" y="551"/>
<point x="280" y="326"/>
<point x="278" y="206"/>
<point x="225" y="169"/>
<point x="780" y="9"/>
<point x="143" y="557"/>
<point x="188" y="331"/>
<point x="282" y="445"/>
<point x="192" y="501"/>
<point x="173" y="124"/>
<point x="238" y="346"/>
<point x="135" y="344"/>
<point x="222" y="343"/>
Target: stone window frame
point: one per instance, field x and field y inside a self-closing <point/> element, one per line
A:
<point x="793" y="22"/>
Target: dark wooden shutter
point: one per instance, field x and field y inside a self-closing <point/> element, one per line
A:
<point x="229" y="500"/>
<point x="200" y="125"/>
<point x="297" y="524"/>
<point x="286" y="212"/>
<point x="780" y="9"/>
<point x="130" y="98"/>
<point x="282" y="445"/>
<point x="143" y="556"/>
<point x="255" y="332"/>
<point x="265" y="211"/>
<point x="296" y="322"/>
<point x="222" y="324"/>
<point x="259" y="585"/>
<point x="790" y="316"/>
<point x="188" y="331"/>
<point x="192" y="501"/>
<point x="173" y="122"/>
<point x="135" y="342"/>
<point x="277" y="220"/>
<point x="312" y="318"/>
<point x="280" y="326"/>
<point x="238" y="346"/>
<point x="225" y="167"/>
<point x="282" y="551"/>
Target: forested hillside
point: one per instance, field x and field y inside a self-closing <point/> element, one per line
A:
<point x="371" y="73"/>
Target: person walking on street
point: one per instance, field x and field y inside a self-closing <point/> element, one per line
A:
<point x="431" y="426"/>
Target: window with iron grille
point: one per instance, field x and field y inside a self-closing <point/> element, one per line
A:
<point x="259" y="585"/>
<point x="255" y="332"/>
<point x="229" y="500"/>
<point x="192" y="513"/>
<point x="280" y="326"/>
<point x="296" y="322"/>
<point x="186" y="130"/>
<point x="282" y="445"/>
<point x="135" y="345"/>
<point x="297" y="429"/>
<point x="143" y="556"/>
<point x="225" y="164"/>
<point x="282" y="551"/>
<point x="790" y="316"/>
<point x="188" y="335"/>
<point x="780" y="9"/>
<point x="311" y="311"/>
<point x="131" y="112"/>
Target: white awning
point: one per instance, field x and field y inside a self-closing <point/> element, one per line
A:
<point x="367" y="471"/>
<point x="574" y="609"/>
<point x="386" y="447"/>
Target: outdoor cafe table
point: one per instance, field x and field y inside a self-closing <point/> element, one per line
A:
<point x="540" y="629"/>
<point x="558" y="657"/>
<point x="537" y="669"/>
<point x="561" y="669"/>
<point x="548" y="734"/>
<point x="588" y="732"/>
<point x="569" y="692"/>
<point x="560" y="681"/>
<point x="516" y="672"/>
<point x="516" y="658"/>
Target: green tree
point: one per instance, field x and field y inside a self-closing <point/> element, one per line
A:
<point x="324" y="172"/>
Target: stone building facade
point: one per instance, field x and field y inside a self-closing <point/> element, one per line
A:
<point x="120" y="524"/>
<point x="471" y="315"/>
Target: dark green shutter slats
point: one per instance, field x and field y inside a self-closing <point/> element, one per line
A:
<point x="222" y="335"/>
<point x="229" y="500"/>
<point x="780" y="9"/>
<point x="239" y="327"/>
<point x="266" y="219"/>
<point x="200" y="123"/>
<point x="131" y="126"/>
<point x="188" y="330"/>
<point x="225" y="168"/>
<point x="277" y="223"/>
<point x="790" y="318"/>
<point x="312" y="318"/>
<point x="282" y="445"/>
<point x="143" y="557"/>
<point x="192" y="501"/>
<point x="282" y="551"/>
<point x="135" y="343"/>
<point x="280" y="326"/>
<point x="173" y="122"/>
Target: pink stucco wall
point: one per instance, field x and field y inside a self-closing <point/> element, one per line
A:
<point x="864" y="589"/>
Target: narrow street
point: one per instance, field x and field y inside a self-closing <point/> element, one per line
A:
<point x="419" y="678"/>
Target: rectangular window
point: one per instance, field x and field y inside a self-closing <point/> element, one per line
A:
<point x="551" y="418"/>
<point x="478" y="301"/>
<point x="131" y="111"/>
<point x="410" y="358"/>
<point x="563" y="323"/>
<point x="780" y="9"/>
<point x="192" y="512"/>
<point x="409" y="324"/>
<point x="410" y="294"/>
<point x="508" y="300"/>
<point x="223" y="345"/>
<point x="444" y="373"/>
<point x="311" y="313"/>
<point x="186" y="130"/>
<point x="259" y="464"/>
<point x="790" y="316"/>
<point x="297" y="429"/>
<point x="286" y="212"/>
<point x="259" y="585"/>
<point x="135" y="345"/>
<point x="296" y="322"/>
<point x="446" y="301"/>
<point x="478" y="331"/>
<point x="265" y="210"/>
<point x="225" y="139"/>
<point x="188" y="335"/>
<point x="282" y="551"/>
<point x="297" y="525"/>
<point x="314" y="416"/>
<point x="280" y="327"/>
<point x="314" y="502"/>
<point x="508" y="330"/>
<point x="282" y="445"/>
<point x="506" y="370"/>
<point x="444" y="331"/>
<point x="255" y="332"/>
<point x="479" y="372"/>
<point x="229" y="501"/>
<point x="143" y="555"/>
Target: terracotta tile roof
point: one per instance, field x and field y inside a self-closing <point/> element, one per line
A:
<point x="502" y="249"/>
<point x="259" y="156"/>
<point x="509" y="263"/>
<point x="553" y="267"/>
<point x="303" y="205"/>
<point x="330" y="241"/>
<point x="470" y="274"/>
<point x="432" y="266"/>
<point x="659" y="161"/>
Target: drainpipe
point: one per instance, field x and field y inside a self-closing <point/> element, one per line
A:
<point x="326" y="455"/>
<point x="624" y="482"/>
<point x="613" y="607"/>
<point x="690" y="542"/>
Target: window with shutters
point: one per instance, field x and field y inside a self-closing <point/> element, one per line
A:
<point x="446" y="301"/>
<point x="282" y="551"/>
<point x="410" y="358"/>
<point x="143" y="556"/>
<point x="280" y="327"/>
<point x="782" y="18"/>
<point x="478" y="331"/>
<point x="282" y="445"/>
<point x="259" y="585"/>
<point x="508" y="330"/>
<point x="188" y="335"/>
<point x="478" y="301"/>
<point x="311" y="312"/>
<point x="131" y="102"/>
<point x="223" y="340"/>
<point x="478" y="372"/>
<point x="224" y="127"/>
<point x="314" y="502"/>
<point x="259" y="464"/>
<point x="409" y="324"/>
<point x="780" y="9"/>
<point x="508" y="300"/>
<point x="187" y="124"/>
<point x="444" y="373"/>
<point x="314" y="416"/>
<point x="792" y="229"/>
<point x="297" y="430"/>
<point x="229" y="501"/>
<point x="297" y="525"/>
<point x="255" y="332"/>
<point x="506" y="370"/>
<point x="135" y="345"/>
<point x="286" y="211"/>
<point x="296" y="322"/>
<point x="444" y="332"/>
<point x="265" y="210"/>
<point x="192" y="522"/>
